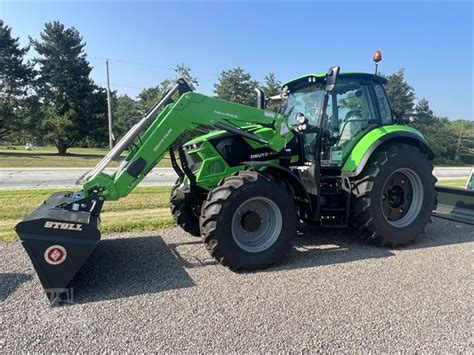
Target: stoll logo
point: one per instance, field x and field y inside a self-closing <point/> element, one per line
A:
<point x="66" y="226"/>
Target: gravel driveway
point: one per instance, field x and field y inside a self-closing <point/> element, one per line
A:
<point x="161" y="292"/>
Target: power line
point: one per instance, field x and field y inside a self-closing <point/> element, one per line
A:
<point x="147" y="65"/>
<point x="140" y="64"/>
<point x="123" y="61"/>
<point x="120" y="85"/>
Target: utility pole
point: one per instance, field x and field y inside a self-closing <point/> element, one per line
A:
<point x="109" y="107"/>
<point x="458" y="146"/>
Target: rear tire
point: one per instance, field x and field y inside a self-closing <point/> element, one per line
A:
<point x="184" y="215"/>
<point x="248" y="221"/>
<point x="394" y="196"/>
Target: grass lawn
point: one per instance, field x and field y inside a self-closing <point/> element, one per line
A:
<point x="453" y="182"/>
<point x="47" y="157"/>
<point x="147" y="208"/>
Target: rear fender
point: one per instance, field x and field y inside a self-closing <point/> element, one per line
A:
<point x="376" y="139"/>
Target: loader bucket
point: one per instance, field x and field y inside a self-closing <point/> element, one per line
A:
<point x="58" y="241"/>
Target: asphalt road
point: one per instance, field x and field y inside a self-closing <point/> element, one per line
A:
<point x="161" y="292"/>
<point x="20" y="178"/>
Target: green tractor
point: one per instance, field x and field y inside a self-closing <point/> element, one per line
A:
<point x="334" y="155"/>
<point x="350" y="166"/>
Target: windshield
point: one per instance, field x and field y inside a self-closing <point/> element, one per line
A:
<point x="308" y="101"/>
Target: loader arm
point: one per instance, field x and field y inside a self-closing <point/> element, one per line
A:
<point x="61" y="233"/>
<point x="189" y="112"/>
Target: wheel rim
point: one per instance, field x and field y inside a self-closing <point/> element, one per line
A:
<point x="256" y="224"/>
<point x="402" y="197"/>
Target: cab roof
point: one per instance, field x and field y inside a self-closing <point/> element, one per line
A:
<point x="321" y="75"/>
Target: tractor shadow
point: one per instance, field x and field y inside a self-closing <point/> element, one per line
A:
<point x="315" y="246"/>
<point x="126" y="267"/>
<point x="10" y="282"/>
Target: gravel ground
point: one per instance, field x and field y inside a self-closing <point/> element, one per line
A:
<point x="161" y="292"/>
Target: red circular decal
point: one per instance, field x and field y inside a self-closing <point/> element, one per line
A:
<point x="55" y="255"/>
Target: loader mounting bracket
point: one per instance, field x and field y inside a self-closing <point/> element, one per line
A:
<point x="92" y="204"/>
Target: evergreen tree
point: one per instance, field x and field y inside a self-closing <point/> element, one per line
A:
<point x="272" y="87"/>
<point x="15" y="76"/>
<point x="126" y="113"/>
<point x="148" y="97"/>
<point x="435" y="130"/>
<point x="236" y="85"/>
<point x="422" y="114"/>
<point x="70" y="98"/>
<point x="401" y="95"/>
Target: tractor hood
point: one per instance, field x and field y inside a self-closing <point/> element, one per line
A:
<point x="216" y="134"/>
<point x="204" y="137"/>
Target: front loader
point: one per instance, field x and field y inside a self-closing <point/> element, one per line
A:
<point x="333" y="156"/>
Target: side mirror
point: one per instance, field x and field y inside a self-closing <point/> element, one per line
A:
<point x="301" y="122"/>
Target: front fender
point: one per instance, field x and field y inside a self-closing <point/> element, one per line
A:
<point x="286" y="174"/>
<point x="364" y="149"/>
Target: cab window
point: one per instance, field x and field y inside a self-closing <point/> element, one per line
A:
<point x="384" y="106"/>
<point x="350" y="112"/>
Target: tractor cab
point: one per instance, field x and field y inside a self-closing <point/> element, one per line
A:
<point x="357" y="104"/>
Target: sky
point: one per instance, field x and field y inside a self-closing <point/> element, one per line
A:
<point x="433" y="41"/>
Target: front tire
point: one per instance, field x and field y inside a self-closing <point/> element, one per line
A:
<point x="184" y="215"/>
<point x="248" y="221"/>
<point x="394" y="196"/>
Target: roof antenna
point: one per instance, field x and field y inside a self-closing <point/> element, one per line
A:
<point x="377" y="57"/>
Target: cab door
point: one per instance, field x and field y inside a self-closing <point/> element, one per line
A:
<point x="350" y="114"/>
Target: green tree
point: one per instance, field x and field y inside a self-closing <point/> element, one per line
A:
<point x="148" y="97"/>
<point x="451" y="141"/>
<point x="236" y="85"/>
<point x="15" y="76"/>
<point x="69" y="97"/>
<point x="422" y="114"/>
<point x="272" y="87"/>
<point x="97" y="131"/>
<point x="401" y="95"/>
<point x="464" y="132"/>
<point x="437" y="131"/>
<point x="126" y="113"/>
